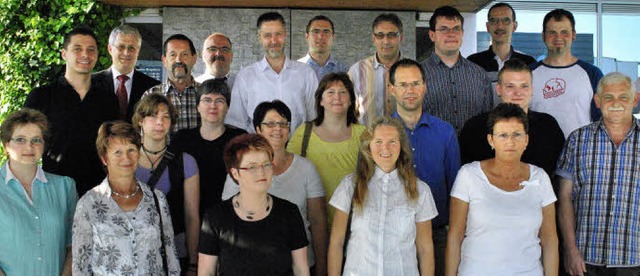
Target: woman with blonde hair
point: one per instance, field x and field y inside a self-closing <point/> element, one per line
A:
<point x="383" y="211"/>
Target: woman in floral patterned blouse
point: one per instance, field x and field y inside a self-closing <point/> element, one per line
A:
<point x="116" y="228"/>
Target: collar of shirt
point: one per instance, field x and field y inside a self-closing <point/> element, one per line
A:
<point x="9" y="174"/>
<point x="493" y="54"/>
<point x="115" y="74"/>
<point x="600" y="126"/>
<point x="264" y="65"/>
<point x="435" y="60"/>
<point x="168" y="85"/>
<point x="425" y="119"/>
<point x="309" y="59"/>
<point x="379" y="176"/>
<point x="376" y="63"/>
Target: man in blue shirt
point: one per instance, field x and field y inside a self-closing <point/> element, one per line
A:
<point x="319" y="36"/>
<point x="436" y="154"/>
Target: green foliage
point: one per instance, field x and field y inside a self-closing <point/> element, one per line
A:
<point x="32" y="33"/>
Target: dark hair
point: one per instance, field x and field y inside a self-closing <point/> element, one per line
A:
<point x="214" y="86"/>
<point x="20" y="118"/>
<point x="264" y="107"/>
<point x="506" y="111"/>
<point x="79" y="30"/>
<point x="149" y="105"/>
<point x="182" y="37"/>
<point x="269" y="16"/>
<point x="404" y="63"/>
<point x="327" y="80"/>
<point x="514" y="65"/>
<point x="319" y="18"/>
<point x="240" y="145"/>
<point x="558" y="15"/>
<point x="447" y="12"/>
<point x="110" y="131"/>
<point x="499" y="5"/>
<point x="387" y="17"/>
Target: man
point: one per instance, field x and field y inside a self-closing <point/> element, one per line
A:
<point x="274" y="77"/>
<point x="217" y="54"/>
<point x="436" y="154"/>
<point x="319" y="36"/>
<point x="370" y="76"/>
<point x="207" y="142"/>
<point x="75" y="108"/>
<point x="564" y="85"/>
<point x="457" y="89"/>
<point x="178" y="57"/>
<point x="600" y="184"/>
<point x="500" y="25"/>
<point x="545" y="136"/>
<point x="125" y="83"/>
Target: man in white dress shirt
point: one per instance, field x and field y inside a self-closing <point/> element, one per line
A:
<point x="217" y="54"/>
<point x="273" y="77"/>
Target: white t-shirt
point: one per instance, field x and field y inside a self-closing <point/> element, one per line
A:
<point x="383" y="235"/>
<point x="502" y="230"/>
<point x="297" y="184"/>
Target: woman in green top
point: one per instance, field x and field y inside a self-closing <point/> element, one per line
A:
<point x="334" y="137"/>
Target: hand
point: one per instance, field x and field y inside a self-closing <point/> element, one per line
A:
<point x="573" y="262"/>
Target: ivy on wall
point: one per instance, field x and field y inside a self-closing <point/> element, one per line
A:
<point x="31" y="37"/>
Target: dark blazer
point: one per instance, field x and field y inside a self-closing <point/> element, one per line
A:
<point x="141" y="83"/>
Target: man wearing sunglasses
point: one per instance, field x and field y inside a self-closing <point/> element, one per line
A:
<point x="370" y="76"/>
<point x="457" y="89"/>
<point x="501" y="23"/>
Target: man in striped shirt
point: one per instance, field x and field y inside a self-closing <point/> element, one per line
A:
<point x="599" y="193"/>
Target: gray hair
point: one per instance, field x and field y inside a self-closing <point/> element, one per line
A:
<point x="124" y="29"/>
<point x="615" y="78"/>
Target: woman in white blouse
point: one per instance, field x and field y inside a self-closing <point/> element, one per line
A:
<point x="502" y="213"/>
<point x="116" y="228"/>
<point x="387" y="208"/>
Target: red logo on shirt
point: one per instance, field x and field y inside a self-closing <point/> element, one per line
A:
<point x="554" y="87"/>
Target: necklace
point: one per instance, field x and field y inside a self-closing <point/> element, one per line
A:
<point x="113" y="191"/>
<point x="153" y="163"/>
<point x="153" y="152"/>
<point x="250" y="214"/>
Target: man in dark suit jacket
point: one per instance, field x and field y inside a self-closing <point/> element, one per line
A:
<point x="124" y="47"/>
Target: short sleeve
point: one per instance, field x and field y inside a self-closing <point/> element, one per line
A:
<point x="314" y="183"/>
<point x="342" y="196"/>
<point x="209" y="242"/>
<point x="426" y="209"/>
<point x="547" y="196"/>
<point x="461" y="186"/>
<point x="190" y="165"/>
<point x="230" y="188"/>
<point x="297" y="233"/>
<point x="566" y="159"/>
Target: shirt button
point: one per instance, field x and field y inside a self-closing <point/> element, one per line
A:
<point x="134" y="218"/>
<point x="135" y="254"/>
<point x="37" y="217"/>
<point x="39" y="258"/>
<point x="413" y="149"/>
<point x="414" y="166"/>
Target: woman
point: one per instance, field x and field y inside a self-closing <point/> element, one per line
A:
<point x="170" y="171"/>
<point x="34" y="205"/>
<point x="295" y="179"/>
<point x="334" y="135"/>
<point x="122" y="226"/>
<point x="502" y="218"/>
<point x="385" y="209"/>
<point x="252" y="233"/>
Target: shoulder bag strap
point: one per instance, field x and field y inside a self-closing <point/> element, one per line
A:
<point x="308" y="126"/>
<point x="157" y="172"/>
<point x="163" y="251"/>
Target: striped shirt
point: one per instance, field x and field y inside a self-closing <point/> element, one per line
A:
<point x="458" y="93"/>
<point x="606" y="193"/>
<point x="185" y="103"/>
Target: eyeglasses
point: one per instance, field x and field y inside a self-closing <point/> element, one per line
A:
<point x="254" y="169"/>
<point x="406" y="85"/>
<point x="518" y="136"/>
<point x="446" y="30"/>
<point x="223" y="49"/>
<point x="274" y="124"/>
<point x="504" y="21"/>
<point x="390" y="35"/>
<point x="331" y="93"/>
<point x="209" y="101"/>
<point x="35" y="141"/>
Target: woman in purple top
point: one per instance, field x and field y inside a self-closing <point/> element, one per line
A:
<point x="174" y="173"/>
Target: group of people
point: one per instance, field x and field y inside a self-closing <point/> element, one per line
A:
<point x="451" y="166"/>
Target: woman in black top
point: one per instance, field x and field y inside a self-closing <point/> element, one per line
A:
<point x="252" y="233"/>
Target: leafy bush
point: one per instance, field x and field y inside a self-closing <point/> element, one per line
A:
<point x="32" y="33"/>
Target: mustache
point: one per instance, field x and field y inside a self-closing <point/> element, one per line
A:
<point x="217" y="57"/>
<point x="178" y="64"/>
<point x="616" y="108"/>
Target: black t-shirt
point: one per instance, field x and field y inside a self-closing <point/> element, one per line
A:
<point x="73" y="125"/>
<point x="545" y="141"/>
<point x="253" y="248"/>
<point x="208" y="155"/>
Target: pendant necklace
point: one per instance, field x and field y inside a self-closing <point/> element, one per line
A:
<point x="250" y="214"/>
<point x="113" y="191"/>
<point x="153" y="152"/>
<point x="153" y="163"/>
